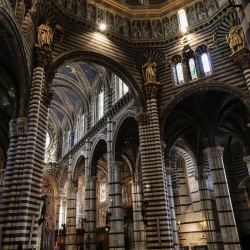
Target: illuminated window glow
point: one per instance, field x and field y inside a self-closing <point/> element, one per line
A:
<point x="183" y="20"/>
<point x="100" y="105"/>
<point x="206" y="64"/>
<point x="121" y="88"/>
<point x="179" y="73"/>
<point x="47" y="140"/>
<point x="192" y="69"/>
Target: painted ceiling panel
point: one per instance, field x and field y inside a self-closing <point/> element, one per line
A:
<point x="59" y="114"/>
<point x="57" y="98"/>
<point x="72" y="96"/>
<point x="67" y="71"/>
<point x="89" y="72"/>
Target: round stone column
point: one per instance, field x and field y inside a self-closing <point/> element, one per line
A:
<point x="228" y="227"/>
<point x="139" y="230"/>
<point x="213" y="242"/>
<point x="90" y="209"/>
<point x="116" y="233"/>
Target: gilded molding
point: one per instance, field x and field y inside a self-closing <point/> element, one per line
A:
<point x="214" y="152"/>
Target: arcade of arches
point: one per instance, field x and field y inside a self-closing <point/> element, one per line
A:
<point x="124" y="124"/>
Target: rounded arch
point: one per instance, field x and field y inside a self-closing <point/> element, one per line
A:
<point x="52" y="181"/>
<point x="199" y="87"/>
<point x="96" y="150"/>
<point x="17" y="47"/>
<point x="77" y="167"/>
<point x="125" y="115"/>
<point x="93" y="57"/>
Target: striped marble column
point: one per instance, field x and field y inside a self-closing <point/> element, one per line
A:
<point x="169" y="172"/>
<point x="7" y="187"/>
<point x="159" y="229"/>
<point x="212" y="236"/>
<point x="2" y="173"/>
<point x="228" y="227"/>
<point x="116" y="233"/>
<point x="139" y="230"/>
<point x="90" y="210"/>
<point x="247" y="161"/>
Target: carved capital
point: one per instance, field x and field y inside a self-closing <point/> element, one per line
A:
<point x="247" y="159"/>
<point x="142" y="118"/>
<point x="13" y="128"/>
<point x="116" y="166"/>
<point x="201" y="176"/>
<point x="92" y="178"/>
<point x="73" y="190"/>
<point x="151" y="89"/>
<point x="43" y="56"/>
<point x="242" y="57"/>
<point x="163" y="146"/>
<point x="169" y="171"/>
<point x="22" y="126"/>
<point x="47" y="97"/>
<point x="214" y="152"/>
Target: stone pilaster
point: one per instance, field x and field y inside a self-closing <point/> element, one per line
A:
<point x="212" y="236"/>
<point x="228" y="227"/>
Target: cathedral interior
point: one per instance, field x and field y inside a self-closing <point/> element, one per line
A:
<point x="124" y="124"/>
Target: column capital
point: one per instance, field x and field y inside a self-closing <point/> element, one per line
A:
<point x="169" y="171"/>
<point x="92" y="178"/>
<point x="47" y="97"/>
<point x="73" y="189"/>
<point x="22" y="125"/>
<point x="142" y="118"/>
<point x="116" y="165"/>
<point x="13" y="127"/>
<point x="151" y="89"/>
<point x="242" y="57"/>
<point x="214" y="152"/>
<point x="43" y="56"/>
<point x="246" y="159"/>
<point x="201" y="176"/>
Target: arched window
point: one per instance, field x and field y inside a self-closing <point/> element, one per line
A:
<point x="100" y="103"/>
<point x="47" y="140"/>
<point x="177" y="70"/>
<point x="204" y="61"/>
<point x="120" y="88"/>
<point x="190" y="64"/>
<point x="192" y="69"/>
<point x="82" y="126"/>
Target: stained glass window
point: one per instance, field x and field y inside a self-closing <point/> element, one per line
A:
<point x="179" y="73"/>
<point x="206" y="64"/>
<point x="192" y="69"/>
